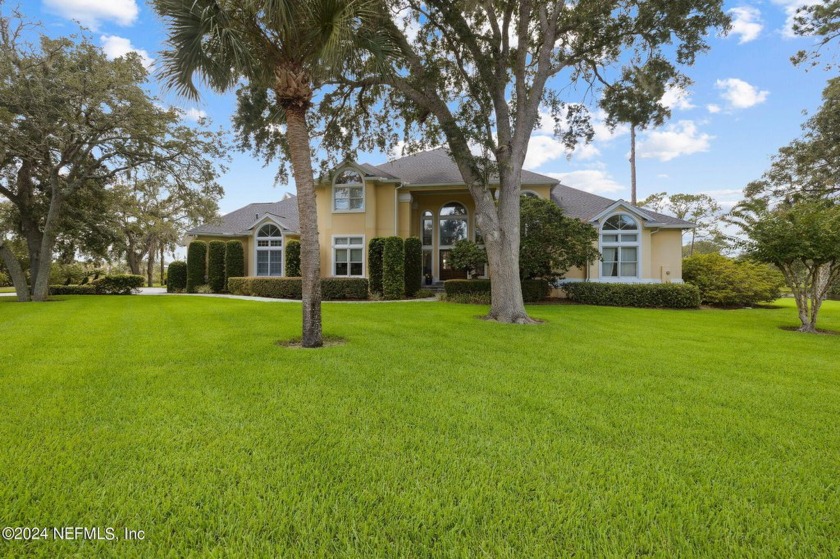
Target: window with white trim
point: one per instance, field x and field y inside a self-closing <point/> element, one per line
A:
<point x="348" y="256"/>
<point x="269" y="251"/>
<point x="348" y="192"/>
<point x="529" y="194"/>
<point x="620" y="247"/>
<point x="452" y="224"/>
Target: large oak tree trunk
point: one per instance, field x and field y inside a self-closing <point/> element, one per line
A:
<point x="506" y="302"/>
<point x="150" y="266"/>
<point x="41" y="285"/>
<point x="16" y="273"/>
<point x="297" y="134"/>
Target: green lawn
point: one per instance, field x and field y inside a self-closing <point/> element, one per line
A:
<point x="7" y="289"/>
<point x="603" y="432"/>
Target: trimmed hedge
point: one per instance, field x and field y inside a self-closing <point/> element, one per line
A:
<point x="332" y="289"/>
<point x="393" y="268"/>
<point x="216" y="266"/>
<point x="375" y="247"/>
<point x="196" y="265"/>
<point x="644" y="295"/>
<point x="293" y="259"/>
<point x="120" y="284"/>
<point x="234" y="261"/>
<point x="72" y="290"/>
<point x="413" y="266"/>
<point x="533" y="291"/>
<point x="176" y="277"/>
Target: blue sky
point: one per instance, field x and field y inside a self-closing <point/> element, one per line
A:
<point x="747" y="100"/>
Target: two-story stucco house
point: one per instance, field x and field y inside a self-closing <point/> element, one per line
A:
<point x="423" y="195"/>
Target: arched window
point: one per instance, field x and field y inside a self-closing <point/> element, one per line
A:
<point x="620" y="247"/>
<point x="453" y="224"/>
<point x="269" y="251"/>
<point x="348" y="192"/>
<point x="529" y="194"/>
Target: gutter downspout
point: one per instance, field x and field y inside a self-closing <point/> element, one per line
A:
<point x="397" y="208"/>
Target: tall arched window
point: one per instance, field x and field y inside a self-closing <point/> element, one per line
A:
<point x="452" y="227"/>
<point x="453" y="224"/>
<point x="620" y="247"/>
<point x="269" y="251"/>
<point x="348" y="192"/>
<point x="427" y="225"/>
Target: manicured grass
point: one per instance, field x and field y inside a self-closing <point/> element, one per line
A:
<point x="603" y="432"/>
<point x="7" y="289"/>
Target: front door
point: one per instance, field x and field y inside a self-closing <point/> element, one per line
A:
<point x="447" y="272"/>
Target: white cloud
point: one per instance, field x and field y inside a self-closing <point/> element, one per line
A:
<point x="115" y="47"/>
<point x="681" y="138"/>
<point x="790" y="7"/>
<point x="726" y="197"/>
<point x="194" y="114"/>
<point x="542" y="149"/>
<point x="677" y="98"/>
<point x="590" y="180"/>
<point x="746" y="23"/>
<point x="712" y="108"/>
<point x="739" y="94"/>
<point x="94" y="12"/>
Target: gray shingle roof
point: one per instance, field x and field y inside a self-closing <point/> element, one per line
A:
<point x="436" y="167"/>
<point x="239" y="221"/>
<point x="586" y="206"/>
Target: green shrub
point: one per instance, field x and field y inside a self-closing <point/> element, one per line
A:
<point x="468" y="256"/>
<point x="480" y="298"/>
<point x="176" y="277"/>
<point x="293" y="259"/>
<point x="239" y="285"/>
<point x="234" y="261"/>
<point x="533" y="291"/>
<point x="393" y="268"/>
<point x="291" y="288"/>
<point x="375" y="247"/>
<point x="413" y="266"/>
<point x="67" y="274"/>
<point x="651" y="295"/>
<point x="834" y="291"/>
<point x="196" y="265"/>
<point x="72" y="290"/>
<point x="333" y="289"/>
<point x="5" y="280"/>
<point x="118" y="284"/>
<point x="216" y="266"/>
<point x="724" y="282"/>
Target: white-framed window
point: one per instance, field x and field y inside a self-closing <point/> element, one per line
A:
<point x="426" y="227"/>
<point x="348" y="256"/>
<point x="529" y="194"/>
<point x="452" y="224"/>
<point x="269" y="250"/>
<point x="620" y="247"/>
<point x="348" y="192"/>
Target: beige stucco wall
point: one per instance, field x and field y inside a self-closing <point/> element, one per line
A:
<point x="661" y="250"/>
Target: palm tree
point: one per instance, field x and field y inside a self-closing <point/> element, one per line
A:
<point x="289" y="47"/>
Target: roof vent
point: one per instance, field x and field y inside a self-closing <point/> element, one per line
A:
<point x="258" y="216"/>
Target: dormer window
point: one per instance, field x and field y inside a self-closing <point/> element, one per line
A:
<point x="348" y="192"/>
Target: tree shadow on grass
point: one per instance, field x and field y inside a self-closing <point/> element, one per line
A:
<point x="820" y="331"/>
<point x="295" y="343"/>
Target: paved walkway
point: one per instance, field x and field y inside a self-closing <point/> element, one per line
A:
<point x="162" y="291"/>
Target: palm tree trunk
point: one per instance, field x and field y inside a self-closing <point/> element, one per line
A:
<point x="633" y="164"/>
<point x="297" y="135"/>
